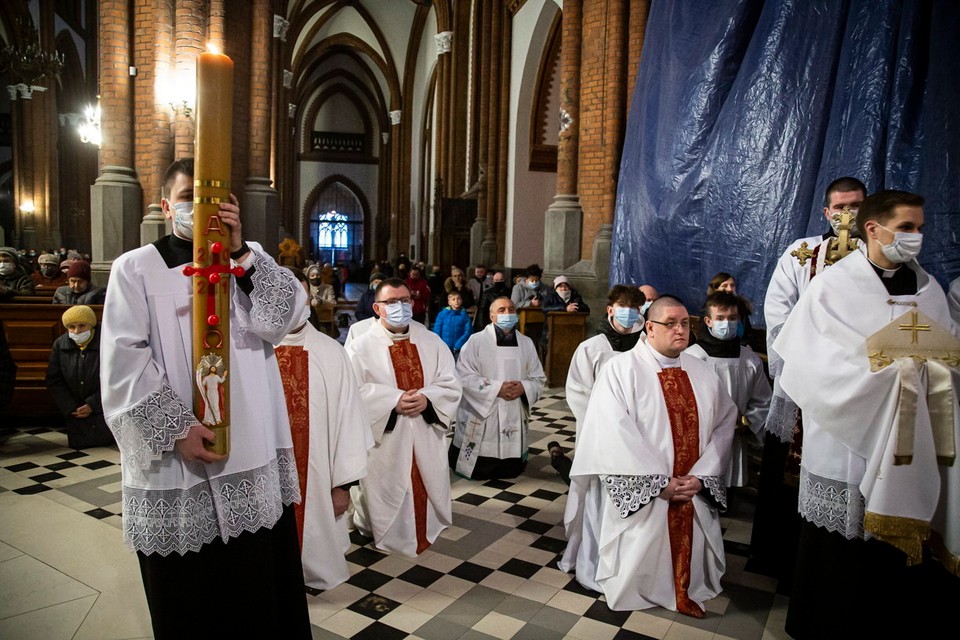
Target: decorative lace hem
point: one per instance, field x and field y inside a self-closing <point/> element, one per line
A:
<point x="717" y="489"/>
<point x="832" y="504"/>
<point x="274" y="296"/>
<point x="151" y="427"/>
<point x="181" y="520"/>
<point x="782" y="416"/>
<point x="630" y="493"/>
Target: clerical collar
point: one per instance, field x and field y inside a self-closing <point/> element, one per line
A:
<point x="505" y="339"/>
<point x="175" y="251"/>
<point x="716" y="348"/>
<point x="404" y="335"/>
<point x="901" y="281"/>
<point x="665" y="362"/>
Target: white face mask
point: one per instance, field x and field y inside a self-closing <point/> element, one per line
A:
<point x="7" y="268"/>
<point x="506" y="321"/>
<point x="183" y="220"/>
<point x="904" y="248"/>
<point x="399" y="314"/>
<point x="564" y="295"/>
<point x="80" y="338"/>
<point x="724" y="329"/>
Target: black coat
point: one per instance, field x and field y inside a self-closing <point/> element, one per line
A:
<point x="73" y="379"/>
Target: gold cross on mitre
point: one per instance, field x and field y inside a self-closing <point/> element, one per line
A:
<point x="802" y="253"/>
<point x="914" y="326"/>
<point x="912" y="335"/>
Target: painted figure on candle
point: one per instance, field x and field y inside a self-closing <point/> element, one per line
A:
<point x="210" y="383"/>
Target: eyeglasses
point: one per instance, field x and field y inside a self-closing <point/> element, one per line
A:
<point x="406" y="300"/>
<point x="673" y="324"/>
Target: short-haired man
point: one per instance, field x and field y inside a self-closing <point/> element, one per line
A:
<point x="739" y="369"/>
<point x="187" y="510"/>
<point x="502" y="379"/>
<point x="498" y="288"/>
<point x="479" y="282"/>
<point x="652" y="453"/>
<point x="409" y="386"/>
<point x="79" y="289"/>
<point x="866" y="353"/>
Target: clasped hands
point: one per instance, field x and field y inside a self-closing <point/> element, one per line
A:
<point x="681" y="489"/>
<point x="511" y="390"/>
<point x="411" y="404"/>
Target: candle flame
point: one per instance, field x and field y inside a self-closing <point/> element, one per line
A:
<point x="212" y="48"/>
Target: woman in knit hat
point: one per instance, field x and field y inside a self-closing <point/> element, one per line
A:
<point x="79" y="289"/>
<point x="73" y="379"/>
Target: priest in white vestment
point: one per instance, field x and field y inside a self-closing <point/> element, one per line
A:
<point x="741" y="372"/>
<point x="331" y="436"/>
<point x="502" y="379"/>
<point x="651" y="458"/>
<point x="410" y="389"/>
<point x="867" y="512"/>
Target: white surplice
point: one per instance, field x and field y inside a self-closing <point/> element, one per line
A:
<point x="590" y="355"/>
<point x="746" y="381"/>
<point x="357" y="329"/>
<point x="850" y="413"/>
<point x="953" y="298"/>
<point x="497" y="427"/>
<point x="339" y="438"/>
<point x="147" y="376"/>
<point x="627" y="435"/>
<point x="384" y="503"/>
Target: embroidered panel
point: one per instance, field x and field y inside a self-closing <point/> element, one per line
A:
<point x="630" y="493"/>
<point x="832" y="504"/>
<point x="717" y="489"/>
<point x="151" y="427"/>
<point x="273" y="293"/>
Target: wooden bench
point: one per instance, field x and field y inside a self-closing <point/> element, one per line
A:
<point x="31" y="325"/>
<point x="566" y="331"/>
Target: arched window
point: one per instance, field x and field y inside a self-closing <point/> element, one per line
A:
<point x="336" y="225"/>
<point x="332" y="231"/>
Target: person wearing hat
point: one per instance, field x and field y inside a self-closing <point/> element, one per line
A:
<point x="364" y="308"/>
<point x="48" y="278"/>
<point x="14" y="281"/>
<point x="79" y="289"/>
<point x="563" y="298"/>
<point x="73" y="379"/>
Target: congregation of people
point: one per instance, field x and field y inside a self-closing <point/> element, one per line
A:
<point x="435" y="377"/>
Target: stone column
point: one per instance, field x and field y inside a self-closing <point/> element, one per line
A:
<point x="564" y="217"/>
<point x="479" y="229"/>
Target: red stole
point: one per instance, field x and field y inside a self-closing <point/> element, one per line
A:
<point x="685" y="426"/>
<point x="409" y="373"/>
<point x="295" y="373"/>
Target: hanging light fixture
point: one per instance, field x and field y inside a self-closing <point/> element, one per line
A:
<point x="89" y="129"/>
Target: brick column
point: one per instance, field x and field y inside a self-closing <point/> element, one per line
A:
<point x="564" y="216"/>
<point x="488" y="250"/>
<point x="479" y="229"/>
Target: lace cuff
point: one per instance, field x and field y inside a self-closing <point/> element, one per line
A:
<point x="783" y="415"/>
<point x="151" y="427"/>
<point x="631" y="493"/>
<point x="832" y="504"/>
<point x="272" y="302"/>
<point x="717" y="489"/>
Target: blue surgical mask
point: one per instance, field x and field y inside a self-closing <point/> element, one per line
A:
<point x="533" y="284"/>
<point x="724" y="329"/>
<point x="646" y="305"/>
<point x="399" y="314"/>
<point x="183" y="219"/>
<point x="506" y="321"/>
<point x="626" y="316"/>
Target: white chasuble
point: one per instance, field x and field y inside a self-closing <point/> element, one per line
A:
<point x="618" y="532"/>
<point x="488" y="425"/>
<point x="331" y="436"/>
<point x="850" y="413"/>
<point x="404" y="501"/>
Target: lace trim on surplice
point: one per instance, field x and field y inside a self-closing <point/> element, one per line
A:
<point x="832" y="504"/>
<point x="717" y="489"/>
<point x="150" y="428"/>
<point x="274" y="294"/>
<point x="630" y="493"/>
<point x="181" y="520"/>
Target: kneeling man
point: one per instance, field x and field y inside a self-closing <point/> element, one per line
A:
<point x="502" y="378"/>
<point x="652" y="454"/>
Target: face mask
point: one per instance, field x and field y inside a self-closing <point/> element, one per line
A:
<point x="399" y="314"/>
<point x="183" y="219"/>
<point x="533" y="284"/>
<point x="835" y="223"/>
<point x="904" y="248"/>
<point x="626" y="316"/>
<point x="506" y="321"/>
<point x="49" y="270"/>
<point x="80" y="338"/>
<point x="564" y="295"/>
<point x="724" y="329"/>
<point x="646" y="305"/>
<point x="7" y="268"/>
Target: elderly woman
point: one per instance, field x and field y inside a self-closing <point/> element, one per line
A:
<point x="458" y="282"/>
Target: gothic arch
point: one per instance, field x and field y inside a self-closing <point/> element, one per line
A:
<point x="314" y="195"/>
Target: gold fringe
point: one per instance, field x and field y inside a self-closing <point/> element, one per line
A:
<point x="906" y="534"/>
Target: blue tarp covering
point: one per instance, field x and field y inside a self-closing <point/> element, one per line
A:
<point x="744" y="111"/>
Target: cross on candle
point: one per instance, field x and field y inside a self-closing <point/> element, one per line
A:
<point x="213" y="275"/>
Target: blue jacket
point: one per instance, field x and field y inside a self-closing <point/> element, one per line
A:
<point x="453" y="327"/>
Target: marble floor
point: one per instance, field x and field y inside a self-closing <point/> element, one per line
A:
<point x="64" y="572"/>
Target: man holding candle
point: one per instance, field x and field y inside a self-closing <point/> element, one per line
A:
<point x="213" y="533"/>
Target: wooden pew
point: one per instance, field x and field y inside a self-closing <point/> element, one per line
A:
<point x="31" y="325"/>
<point x="566" y="331"/>
<point x="530" y="322"/>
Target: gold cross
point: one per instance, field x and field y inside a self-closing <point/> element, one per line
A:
<point x="914" y="327"/>
<point x="802" y="253"/>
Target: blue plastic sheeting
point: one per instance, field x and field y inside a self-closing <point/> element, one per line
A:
<point x="744" y="111"/>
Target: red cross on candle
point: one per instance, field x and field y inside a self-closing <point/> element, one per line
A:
<point x="213" y="274"/>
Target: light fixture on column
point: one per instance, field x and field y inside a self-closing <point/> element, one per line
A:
<point x="27" y="206"/>
<point x="178" y="90"/>
<point x="89" y="129"/>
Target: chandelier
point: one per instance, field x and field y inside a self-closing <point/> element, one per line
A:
<point x="29" y="63"/>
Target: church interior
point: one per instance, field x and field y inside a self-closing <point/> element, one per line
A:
<point x="609" y="141"/>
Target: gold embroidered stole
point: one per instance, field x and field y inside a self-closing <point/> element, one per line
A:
<point x="409" y="373"/>
<point x="685" y="426"/>
<point x="294" y="362"/>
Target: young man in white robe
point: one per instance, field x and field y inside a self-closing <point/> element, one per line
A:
<point x="867" y="511"/>
<point x="651" y="458"/>
<point x="776" y="526"/>
<point x="502" y="379"/>
<point x="741" y="372"/>
<point x="331" y="436"/>
<point x="410" y="389"/>
<point x="212" y="532"/>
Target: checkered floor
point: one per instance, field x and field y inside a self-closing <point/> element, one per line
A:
<point x="492" y="575"/>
